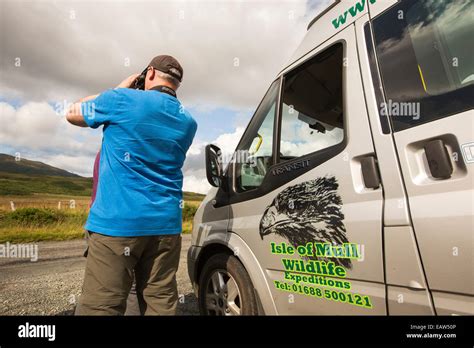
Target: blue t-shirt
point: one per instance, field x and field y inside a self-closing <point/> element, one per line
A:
<point x="146" y="135"/>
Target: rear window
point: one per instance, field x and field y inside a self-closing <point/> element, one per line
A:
<point x="425" y="51"/>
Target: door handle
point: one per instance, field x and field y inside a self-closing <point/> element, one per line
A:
<point x="414" y="285"/>
<point x="438" y="159"/>
<point x="370" y="172"/>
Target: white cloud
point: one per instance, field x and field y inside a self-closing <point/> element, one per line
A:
<point x="37" y="126"/>
<point x="230" y="50"/>
<point x="194" y="168"/>
<point x="227" y="142"/>
<point x="195" y="181"/>
<point x="195" y="149"/>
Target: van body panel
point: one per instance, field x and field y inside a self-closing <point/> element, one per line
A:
<point x="209" y="219"/>
<point x="405" y="301"/>
<point x="297" y="304"/>
<point x="425" y="61"/>
<point x="402" y="261"/>
<point x="361" y="229"/>
<point x="442" y="210"/>
<point x="453" y="304"/>
<point x="323" y="29"/>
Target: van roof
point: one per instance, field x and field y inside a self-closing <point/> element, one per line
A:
<point x="323" y="12"/>
<point x="337" y="16"/>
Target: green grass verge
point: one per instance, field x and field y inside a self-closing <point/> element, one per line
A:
<point x="40" y="224"/>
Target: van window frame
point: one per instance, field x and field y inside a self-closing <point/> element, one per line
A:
<point x="251" y="126"/>
<point x="314" y="159"/>
<point x="280" y="116"/>
<point x="384" y="121"/>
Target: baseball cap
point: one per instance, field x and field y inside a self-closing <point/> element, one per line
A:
<point x="169" y="65"/>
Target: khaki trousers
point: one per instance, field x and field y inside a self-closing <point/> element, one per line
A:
<point x="111" y="265"/>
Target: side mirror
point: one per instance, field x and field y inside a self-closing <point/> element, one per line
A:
<point x="214" y="165"/>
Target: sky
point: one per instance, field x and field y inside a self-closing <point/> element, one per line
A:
<point x="55" y="52"/>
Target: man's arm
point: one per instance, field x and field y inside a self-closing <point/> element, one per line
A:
<point x="74" y="114"/>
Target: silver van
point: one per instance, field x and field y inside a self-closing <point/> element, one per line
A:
<point x="351" y="191"/>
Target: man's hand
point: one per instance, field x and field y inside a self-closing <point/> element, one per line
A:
<point x="128" y="81"/>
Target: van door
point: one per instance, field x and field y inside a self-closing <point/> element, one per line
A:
<point x="297" y="178"/>
<point x="424" y="50"/>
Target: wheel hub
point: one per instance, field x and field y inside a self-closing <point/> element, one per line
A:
<point x="222" y="294"/>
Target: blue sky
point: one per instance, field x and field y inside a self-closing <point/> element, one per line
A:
<point x="212" y="123"/>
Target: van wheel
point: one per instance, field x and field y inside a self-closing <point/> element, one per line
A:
<point x="225" y="288"/>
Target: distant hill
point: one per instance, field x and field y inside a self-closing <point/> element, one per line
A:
<point x="193" y="196"/>
<point x="24" y="166"/>
<point x="24" y="184"/>
<point x="27" y="177"/>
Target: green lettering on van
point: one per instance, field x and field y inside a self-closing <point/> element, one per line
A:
<point x="344" y="251"/>
<point x="353" y="10"/>
<point x="288" y="264"/>
<point x="323" y="249"/>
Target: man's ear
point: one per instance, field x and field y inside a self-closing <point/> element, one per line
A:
<point x="151" y="74"/>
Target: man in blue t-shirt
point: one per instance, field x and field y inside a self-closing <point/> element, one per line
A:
<point x="134" y="224"/>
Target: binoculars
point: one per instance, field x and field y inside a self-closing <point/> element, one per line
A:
<point x="139" y="82"/>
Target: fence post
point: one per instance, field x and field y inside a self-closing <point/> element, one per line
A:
<point x="59" y="205"/>
<point x="12" y="205"/>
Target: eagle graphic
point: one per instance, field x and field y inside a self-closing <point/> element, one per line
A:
<point x="308" y="212"/>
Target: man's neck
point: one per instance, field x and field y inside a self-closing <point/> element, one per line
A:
<point x="163" y="83"/>
<point x="164" y="89"/>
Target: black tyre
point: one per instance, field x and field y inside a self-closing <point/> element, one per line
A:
<point x="225" y="288"/>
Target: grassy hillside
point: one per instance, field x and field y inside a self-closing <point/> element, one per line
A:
<point x="193" y="196"/>
<point x="14" y="184"/>
<point x="8" y="164"/>
<point x="27" y="177"/>
<point x="24" y="184"/>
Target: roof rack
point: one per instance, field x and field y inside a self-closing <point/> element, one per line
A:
<point x="329" y="8"/>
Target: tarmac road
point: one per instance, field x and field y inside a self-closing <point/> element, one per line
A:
<point x="52" y="284"/>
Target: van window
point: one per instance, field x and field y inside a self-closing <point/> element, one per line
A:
<point x="312" y="112"/>
<point x="425" y="51"/>
<point x="254" y="155"/>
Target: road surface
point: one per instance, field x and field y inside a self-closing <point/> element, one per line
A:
<point x="52" y="284"/>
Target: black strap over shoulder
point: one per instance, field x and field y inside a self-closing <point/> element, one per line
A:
<point x="164" y="89"/>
